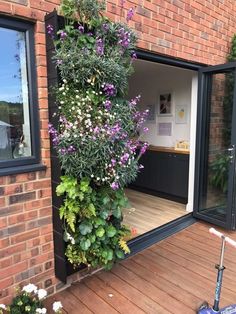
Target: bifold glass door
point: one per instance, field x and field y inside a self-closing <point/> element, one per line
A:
<point x="216" y="139"/>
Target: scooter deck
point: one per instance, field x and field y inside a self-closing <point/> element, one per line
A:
<point x="230" y="309"/>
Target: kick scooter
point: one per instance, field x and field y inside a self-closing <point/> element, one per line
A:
<point x="230" y="309"/>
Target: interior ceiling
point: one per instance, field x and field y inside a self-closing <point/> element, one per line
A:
<point x="141" y="66"/>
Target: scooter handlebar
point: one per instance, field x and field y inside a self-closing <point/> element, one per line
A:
<point x="221" y="235"/>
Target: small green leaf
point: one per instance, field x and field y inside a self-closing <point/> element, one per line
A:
<point x="120" y="254"/>
<point x="85" y="228"/>
<point x="100" y="232"/>
<point x="104" y="214"/>
<point x="117" y="212"/>
<point x="111" y="231"/>
<point x="110" y="255"/>
<point x="85" y="244"/>
<point x="99" y="222"/>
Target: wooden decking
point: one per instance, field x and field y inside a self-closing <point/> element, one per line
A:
<point x="173" y="276"/>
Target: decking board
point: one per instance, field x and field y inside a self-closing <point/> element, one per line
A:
<point x="173" y="276"/>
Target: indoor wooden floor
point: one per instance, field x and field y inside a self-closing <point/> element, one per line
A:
<point x="148" y="212"/>
<point x="173" y="276"/>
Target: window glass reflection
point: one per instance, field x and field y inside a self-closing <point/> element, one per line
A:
<point x="15" y="140"/>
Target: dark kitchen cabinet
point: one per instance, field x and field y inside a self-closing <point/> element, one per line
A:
<point x="164" y="172"/>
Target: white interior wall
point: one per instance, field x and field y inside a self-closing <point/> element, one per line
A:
<point x="152" y="79"/>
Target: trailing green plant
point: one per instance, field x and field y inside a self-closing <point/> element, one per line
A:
<point x="97" y="138"/>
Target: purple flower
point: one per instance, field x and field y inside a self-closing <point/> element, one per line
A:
<point x="133" y="102"/>
<point x="105" y="27"/>
<point x="100" y="47"/>
<point x="59" y="62"/>
<point x="133" y="55"/>
<point x="130" y="14"/>
<point x="109" y="89"/>
<point x="145" y="130"/>
<point x="113" y="162"/>
<point x="107" y="104"/>
<point x="143" y="148"/>
<point x="96" y="130"/>
<point x="123" y="37"/>
<point x="69" y="150"/>
<point x="50" y="30"/>
<point x="81" y="29"/>
<point x="115" y="186"/>
<point x="63" y="35"/>
<point x="90" y="34"/>
<point x="54" y="134"/>
<point x="124" y="158"/>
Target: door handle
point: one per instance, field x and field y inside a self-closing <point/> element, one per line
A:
<point x="231" y="151"/>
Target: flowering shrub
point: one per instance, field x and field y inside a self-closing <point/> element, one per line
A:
<point x="29" y="301"/>
<point x="97" y="139"/>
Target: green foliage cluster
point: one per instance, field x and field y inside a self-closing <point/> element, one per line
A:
<point x="92" y="219"/>
<point x="24" y="304"/>
<point x="84" y="10"/>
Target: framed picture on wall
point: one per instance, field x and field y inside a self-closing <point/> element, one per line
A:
<point x="181" y="113"/>
<point x="165" y="105"/>
<point x="164" y="129"/>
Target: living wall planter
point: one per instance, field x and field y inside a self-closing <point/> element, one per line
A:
<point x="94" y="131"/>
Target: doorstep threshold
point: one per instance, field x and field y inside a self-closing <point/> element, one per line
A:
<point x="156" y="235"/>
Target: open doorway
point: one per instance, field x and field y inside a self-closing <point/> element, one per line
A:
<point x="163" y="190"/>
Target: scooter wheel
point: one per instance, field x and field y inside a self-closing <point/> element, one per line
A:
<point x="203" y="306"/>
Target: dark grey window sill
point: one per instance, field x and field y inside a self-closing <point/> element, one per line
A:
<point x="21" y="169"/>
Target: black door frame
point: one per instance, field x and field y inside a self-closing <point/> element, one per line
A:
<point x="204" y="90"/>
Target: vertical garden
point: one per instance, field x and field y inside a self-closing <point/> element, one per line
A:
<point x="97" y="138"/>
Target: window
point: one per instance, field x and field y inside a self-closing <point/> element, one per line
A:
<point x="19" y="138"/>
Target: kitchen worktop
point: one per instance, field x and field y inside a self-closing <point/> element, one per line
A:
<point x="167" y="150"/>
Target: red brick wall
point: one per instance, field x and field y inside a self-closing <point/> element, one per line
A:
<point x="194" y="30"/>
<point x="199" y="30"/>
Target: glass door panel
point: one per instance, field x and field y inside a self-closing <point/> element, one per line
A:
<point x="216" y="150"/>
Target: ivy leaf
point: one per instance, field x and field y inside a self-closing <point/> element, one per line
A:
<point x="100" y="232"/>
<point x="85" y="244"/>
<point x="85" y="228"/>
<point x="111" y="231"/>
